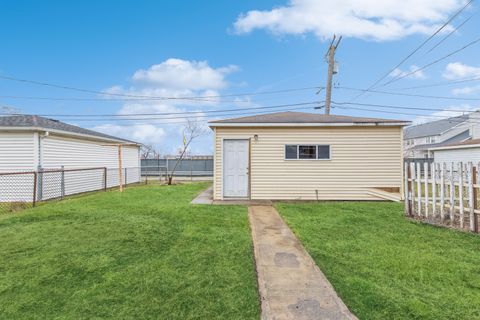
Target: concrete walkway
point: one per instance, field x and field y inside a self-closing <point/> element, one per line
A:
<point x="206" y="197"/>
<point x="290" y="283"/>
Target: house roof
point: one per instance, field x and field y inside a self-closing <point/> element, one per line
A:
<point x="462" y="136"/>
<point x="303" y="118"/>
<point x="459" y="145"/>
<point x="33" y="122"/>
<point x="434" y="127"/>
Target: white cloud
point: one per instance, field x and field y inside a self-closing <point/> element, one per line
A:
<point x="173" y="78"/>
<point x="145" y="133"/>
<point x="401" y="73"/>
<point x="183" y="74"/>
<point x="365" y="19"/>
<point x="458" y="70"/>
<point x="466" y="90"/>
<point x="451" y="111"/>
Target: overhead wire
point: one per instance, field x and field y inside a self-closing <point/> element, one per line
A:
<point x="449" y="34"/>
<point x="441" y="84"/>
<point x="408" y="56"/>
<point x="428" y="65"/>
<point x="157" y="121"/>
<point x="142" y="97"/>
<point x="410" y="94"/>
<point x="175" y="113"/>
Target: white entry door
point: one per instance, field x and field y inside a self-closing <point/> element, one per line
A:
<point x="235" y="168"/>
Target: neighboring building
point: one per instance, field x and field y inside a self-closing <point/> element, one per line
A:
<point x="467" y="151"/>
<point x="420" y="138"/>
<point x="304" y="156"/>
<point x="29" y="142"/>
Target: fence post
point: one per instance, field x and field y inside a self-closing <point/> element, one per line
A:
<point x="406" y="191"/>
<point x="40" y="183"/>
<point x="412" y="187"/>
<point x="125" y="177"/>
<point x="442" y="191"/>
<point x="460" y="193"/>
<point x="34" y="200"/>
<point x="104" y="178"/>
<point x="452" y="193"/>
<point x="475" y="216"/>
<point x="166" y="178"/>
<point x="425" y="174"/>
<point x="62" y="182"/>
<point x="419" y="188"/>
<point x="434" y="189"/>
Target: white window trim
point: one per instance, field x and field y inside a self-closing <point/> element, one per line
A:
<point x="307" y="144"/>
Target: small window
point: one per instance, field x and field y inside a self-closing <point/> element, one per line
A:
<point x="300" y="152"/>
<point x="307" y="152"/>
<point x="291" y="152"/>
<point x="323" y="152"/>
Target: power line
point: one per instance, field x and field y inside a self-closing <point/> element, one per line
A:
<point x="431" y="63"/>
<point x="448" y="35"/>
<point x="396" y="107"/>
<point x="176" y="113"/>
<point x="440" y="84"/>
<point x="410" y="94"/>
<point x="142" y="97"/>
<point x="194" y="98"/>
<point x="186" y="117"/>
<point x="413" y="114"/>
<point x="415" y="50"/>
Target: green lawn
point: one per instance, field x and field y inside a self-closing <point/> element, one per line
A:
<point x="146" y="253"/>
<point x="387" y="267"/>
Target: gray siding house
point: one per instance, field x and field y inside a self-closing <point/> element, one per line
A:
<point x="418" y="139"/>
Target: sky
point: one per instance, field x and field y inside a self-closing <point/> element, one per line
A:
<point x="140" y="69"/>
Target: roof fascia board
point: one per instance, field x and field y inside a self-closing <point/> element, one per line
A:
<point x="292" y="124"/>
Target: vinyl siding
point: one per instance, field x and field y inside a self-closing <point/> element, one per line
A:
<point x="17" y="152"/>
<point x="72" y="153"/>
<point x="78" y="153"/>
<point x="457" y="155"/>
<point x="361" y="158"/>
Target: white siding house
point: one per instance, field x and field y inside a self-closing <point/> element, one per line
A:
<point x="418" y="139"/>
<point x="468" y="151"/>
<point x="32" y="143"/>
<point x="302" y="156"/>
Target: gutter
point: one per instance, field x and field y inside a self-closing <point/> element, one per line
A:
<point x="467" y="146"/>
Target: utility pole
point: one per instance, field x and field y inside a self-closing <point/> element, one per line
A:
<point x="331" y="70"/>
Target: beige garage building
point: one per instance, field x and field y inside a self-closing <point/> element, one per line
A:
<point x="304" y="156"/>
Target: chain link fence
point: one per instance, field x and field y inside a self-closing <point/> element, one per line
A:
<point x="20" y="190"/>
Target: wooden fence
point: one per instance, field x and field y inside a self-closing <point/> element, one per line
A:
<point x="443" y="194"/>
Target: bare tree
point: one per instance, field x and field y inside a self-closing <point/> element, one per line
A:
<point x="191" y="131"/>
<point x="148" y="151"/>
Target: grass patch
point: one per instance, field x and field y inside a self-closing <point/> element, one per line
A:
<point x="146" y="253"/>
<point x="387" y="267"/>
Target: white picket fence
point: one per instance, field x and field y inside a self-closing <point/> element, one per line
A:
<point x="441" y="193"/>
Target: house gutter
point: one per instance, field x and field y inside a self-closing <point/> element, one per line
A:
<point x="467" y="146"/>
